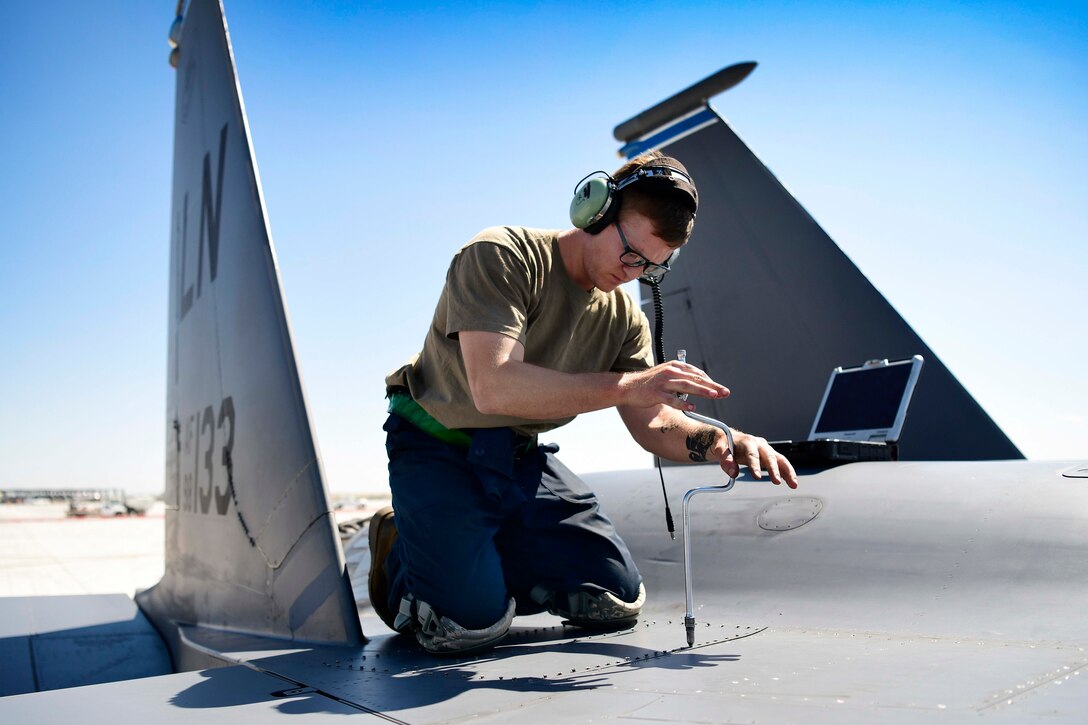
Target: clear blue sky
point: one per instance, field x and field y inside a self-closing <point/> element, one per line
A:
<point x="942" y="145"/>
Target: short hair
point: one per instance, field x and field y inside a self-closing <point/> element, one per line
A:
<point x="668" y="208"/>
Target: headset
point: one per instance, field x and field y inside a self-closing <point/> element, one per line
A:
<point x="598" y="197"/>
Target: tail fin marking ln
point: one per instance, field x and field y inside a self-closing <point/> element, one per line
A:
<point x="251" y="544"/>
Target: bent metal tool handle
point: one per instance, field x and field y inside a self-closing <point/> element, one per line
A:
<point x="689" y="615"/>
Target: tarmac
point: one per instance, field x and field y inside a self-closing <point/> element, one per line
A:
<point x="44" y="552"/>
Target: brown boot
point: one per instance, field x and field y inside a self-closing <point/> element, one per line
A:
<point x="382" y="536"/>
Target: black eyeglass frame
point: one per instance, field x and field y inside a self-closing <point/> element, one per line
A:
<point x="652" y="272"/>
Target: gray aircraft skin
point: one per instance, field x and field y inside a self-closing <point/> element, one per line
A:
<point x="949" y="588"/>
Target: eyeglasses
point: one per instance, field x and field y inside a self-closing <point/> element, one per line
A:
<point x="630" y="258"/>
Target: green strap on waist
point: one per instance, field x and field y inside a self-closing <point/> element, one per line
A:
<point x="403" y="405"/>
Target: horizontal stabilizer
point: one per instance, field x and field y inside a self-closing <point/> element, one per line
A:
<point x="49" y="643"/>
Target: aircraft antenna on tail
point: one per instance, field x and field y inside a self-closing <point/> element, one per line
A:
<point x="174" y="36"/>
<point x="687" y="100"/>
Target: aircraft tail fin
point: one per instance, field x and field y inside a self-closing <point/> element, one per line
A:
<point x="251" y="544"/>
<point x="755" y="247"/>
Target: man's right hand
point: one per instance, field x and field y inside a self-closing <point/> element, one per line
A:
<point x="662" y="384"/>
<point x="502" y="383"/>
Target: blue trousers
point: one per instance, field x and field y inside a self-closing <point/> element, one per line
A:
<point x="479" y="524"/>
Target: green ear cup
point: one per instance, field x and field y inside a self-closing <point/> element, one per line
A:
<point x="590" y="199"/>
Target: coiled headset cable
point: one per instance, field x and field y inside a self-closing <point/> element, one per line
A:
<point x="659" y="354"/>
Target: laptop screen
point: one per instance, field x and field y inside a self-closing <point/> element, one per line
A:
<point x="870" y="400"/>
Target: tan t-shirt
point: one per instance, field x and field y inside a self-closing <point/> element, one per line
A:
<point x="511" y="280"/>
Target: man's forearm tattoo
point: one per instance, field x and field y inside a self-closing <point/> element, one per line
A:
<point x="700" y="442"/>
<point x="668" y="427"/>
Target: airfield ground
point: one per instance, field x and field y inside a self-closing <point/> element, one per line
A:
<point x="44" y="552"/>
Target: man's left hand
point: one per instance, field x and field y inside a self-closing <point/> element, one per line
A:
<point x="758" y="455"/>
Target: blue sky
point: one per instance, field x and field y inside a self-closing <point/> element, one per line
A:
<point x="942" y="145"/>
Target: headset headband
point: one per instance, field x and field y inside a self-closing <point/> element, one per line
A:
<point x="674" y="174"/>
<point x="597" y="197"/>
